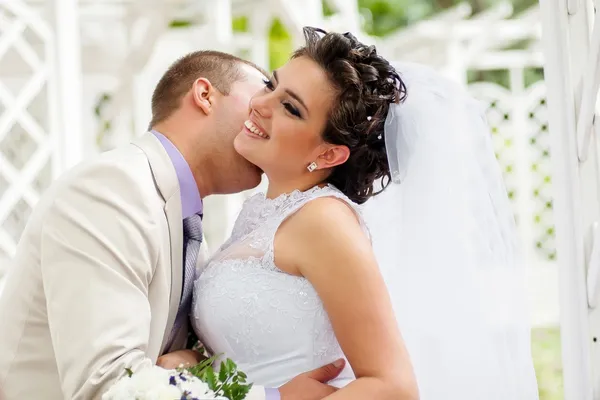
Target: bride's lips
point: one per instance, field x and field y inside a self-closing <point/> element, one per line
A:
<point x="254" y="130"/>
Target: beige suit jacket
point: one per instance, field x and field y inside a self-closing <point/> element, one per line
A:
<point x="97" y="278"/>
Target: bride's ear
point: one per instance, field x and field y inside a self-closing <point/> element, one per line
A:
<point x="333" y="156"/>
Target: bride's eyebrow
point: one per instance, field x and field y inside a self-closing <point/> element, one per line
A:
<point x="291" y="93"/>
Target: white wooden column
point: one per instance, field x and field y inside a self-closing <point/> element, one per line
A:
<point x="260" y="23"/>
<point x="565" y="40"/>
<point x="220" y="24"/>
<point x="69" y="143"/>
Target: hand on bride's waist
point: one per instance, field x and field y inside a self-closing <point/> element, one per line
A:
<point x="312" y="385"/>
<point x="180" y="358"/>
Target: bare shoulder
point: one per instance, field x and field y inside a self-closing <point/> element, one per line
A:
<point x="325" y="230"/>
<point x="328" y="213"/>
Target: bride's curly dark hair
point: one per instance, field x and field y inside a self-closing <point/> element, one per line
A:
<point x="365" y="84"/>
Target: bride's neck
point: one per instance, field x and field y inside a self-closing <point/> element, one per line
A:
<point x="277" y="188"/>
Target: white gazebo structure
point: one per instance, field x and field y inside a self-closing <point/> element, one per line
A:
<point x="76" y="78"/>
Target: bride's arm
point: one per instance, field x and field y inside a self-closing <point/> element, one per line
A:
<point x="336" y="256"/>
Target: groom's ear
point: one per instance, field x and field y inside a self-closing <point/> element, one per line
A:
<point x="333" y="156"/>
<point x="203" y="95"/>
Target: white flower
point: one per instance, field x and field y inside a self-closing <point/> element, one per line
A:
<point x="122" y="390"/>
<point x="196" y="386"/>
<point x="162" y="392"/>
<point x="150" y="378"/>
<point x="147" y="384"/>
<point x="159" y="384"/>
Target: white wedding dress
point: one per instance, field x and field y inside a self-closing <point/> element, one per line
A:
<point x="272" y="324"/>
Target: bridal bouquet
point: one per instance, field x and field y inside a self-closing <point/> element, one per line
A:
<point x="200" y="382"/>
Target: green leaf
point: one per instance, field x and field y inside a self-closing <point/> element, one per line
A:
<point x="129" y="372"/>
<point x="231" y="367"/>
<point x="230" y="383"/>
<point x="198" y="369"/>
<point x="211" y="379"/>
<point x="223" y="373"/>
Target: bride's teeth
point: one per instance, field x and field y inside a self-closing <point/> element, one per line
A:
<point x="252" y="128"/>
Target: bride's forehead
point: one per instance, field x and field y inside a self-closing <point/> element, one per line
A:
<point x="307" y="78"/>
<point x="302" y="70"/>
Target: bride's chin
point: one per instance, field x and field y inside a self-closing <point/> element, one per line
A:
<point x="245" y="150"/>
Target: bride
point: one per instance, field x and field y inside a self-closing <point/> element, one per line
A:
<point x="419" y="288"/>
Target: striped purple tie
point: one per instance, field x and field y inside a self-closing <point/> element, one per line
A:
<point x="192" y="235"/>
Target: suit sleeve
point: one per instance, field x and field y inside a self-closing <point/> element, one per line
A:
<point x="97" y="260"/>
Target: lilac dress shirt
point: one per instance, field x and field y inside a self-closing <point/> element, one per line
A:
<point x="191" y="202"/>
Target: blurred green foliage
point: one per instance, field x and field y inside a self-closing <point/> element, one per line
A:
<point x="384" y="16"/>
<point x="280" y="44"/>
<point x="546" y="350"/>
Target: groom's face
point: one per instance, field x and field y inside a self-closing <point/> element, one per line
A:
<point x="239" y="174"/>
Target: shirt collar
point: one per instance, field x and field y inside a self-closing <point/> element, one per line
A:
<point x="191" y="202"/>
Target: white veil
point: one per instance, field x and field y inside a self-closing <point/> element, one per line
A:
<point x="445" y="239"/>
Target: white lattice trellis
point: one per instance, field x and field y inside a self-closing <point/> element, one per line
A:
<point x="539" y="137"/>
<point x="26" y="143"/>
<point x="500" y="115"/>
<point x="509" y="117"/>
<point x="40" y="100"/>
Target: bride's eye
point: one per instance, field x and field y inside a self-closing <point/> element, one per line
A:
<point x="269" y="84"/>
<point x="292" y="110"/>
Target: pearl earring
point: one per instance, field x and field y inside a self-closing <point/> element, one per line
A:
<point x="312" y="166"/>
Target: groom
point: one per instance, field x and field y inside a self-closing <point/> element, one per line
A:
<point x="102" y="277"/>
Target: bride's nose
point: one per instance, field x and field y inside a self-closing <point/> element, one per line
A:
<point x="260" y="104"/>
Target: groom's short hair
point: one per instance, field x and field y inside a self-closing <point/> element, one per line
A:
<point x="221" y="69"/>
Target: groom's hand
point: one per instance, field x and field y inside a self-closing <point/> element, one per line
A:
<point x="179" y="358"/>
<point x="311" y="385"/>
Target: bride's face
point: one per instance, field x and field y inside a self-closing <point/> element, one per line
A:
<point x="283" y="133"/>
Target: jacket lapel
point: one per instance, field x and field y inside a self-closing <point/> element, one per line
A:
<point x="168" y="186"/>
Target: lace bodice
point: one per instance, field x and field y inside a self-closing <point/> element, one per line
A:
<point x="272" y="324"/>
